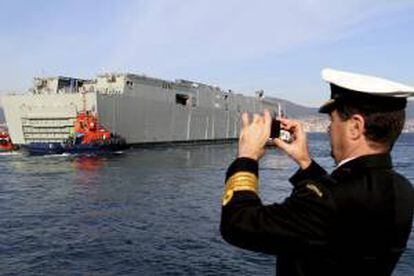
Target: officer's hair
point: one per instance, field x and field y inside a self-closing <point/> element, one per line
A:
<point x="381" y="128"/>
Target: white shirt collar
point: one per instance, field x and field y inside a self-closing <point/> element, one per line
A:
<point x="344" y="161"/>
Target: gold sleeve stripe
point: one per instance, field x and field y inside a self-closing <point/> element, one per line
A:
<point x="315" y="189"/>
<point x="241" y="181"/>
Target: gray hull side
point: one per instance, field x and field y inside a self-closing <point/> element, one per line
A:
<point x="142" y="120"/>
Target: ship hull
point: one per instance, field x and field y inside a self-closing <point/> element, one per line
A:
<point x="142" y="110"/>
<point x="59" y="148"/>
<point x="44" y="148"/>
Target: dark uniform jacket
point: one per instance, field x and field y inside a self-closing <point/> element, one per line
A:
<point x="355" y="221"/>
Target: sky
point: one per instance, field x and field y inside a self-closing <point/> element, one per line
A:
<point x="278" y="46"/>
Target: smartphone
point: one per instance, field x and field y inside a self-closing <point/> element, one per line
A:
<point x="277" y="132"/>
<point x="275" y="129"/>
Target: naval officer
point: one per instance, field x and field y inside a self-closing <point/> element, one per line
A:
<point x="354" y="221"/>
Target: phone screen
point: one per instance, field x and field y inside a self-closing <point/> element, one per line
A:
<point x="275" y="129"/>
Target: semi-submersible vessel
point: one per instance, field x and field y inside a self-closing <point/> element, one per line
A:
<point x="141" y="109"/>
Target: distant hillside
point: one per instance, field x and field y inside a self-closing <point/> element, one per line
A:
<point x="410" y="110"/>
<point x="299" y="111"/>
<point x="2" y="120"/>
<point x="293" y="110"/>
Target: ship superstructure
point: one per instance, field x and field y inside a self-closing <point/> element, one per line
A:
<point x="139" y="108"/>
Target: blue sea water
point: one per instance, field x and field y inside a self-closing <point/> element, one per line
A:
<point x="148" y="211"/>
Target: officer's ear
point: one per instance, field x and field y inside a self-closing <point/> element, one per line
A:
<point x="356" y="126"/>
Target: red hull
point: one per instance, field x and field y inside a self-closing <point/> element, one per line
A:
<point x="5" y="142"/>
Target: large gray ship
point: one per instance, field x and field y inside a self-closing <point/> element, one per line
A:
<point x="139" y="108"/>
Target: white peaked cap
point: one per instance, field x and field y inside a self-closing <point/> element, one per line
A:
<point x="367" y="84"/>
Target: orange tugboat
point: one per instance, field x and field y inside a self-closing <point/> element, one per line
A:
<point x="6" y="144"/>
<point x="88" y="130"/>
<point x="89" y="137"/>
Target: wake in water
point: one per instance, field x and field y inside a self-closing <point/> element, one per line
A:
<point x="8" y="153"/>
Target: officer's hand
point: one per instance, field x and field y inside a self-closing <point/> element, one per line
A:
<point x="254" y="135"/>
<point x="298" y="148"/>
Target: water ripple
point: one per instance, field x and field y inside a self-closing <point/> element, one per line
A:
<point x="149" y="211"/>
